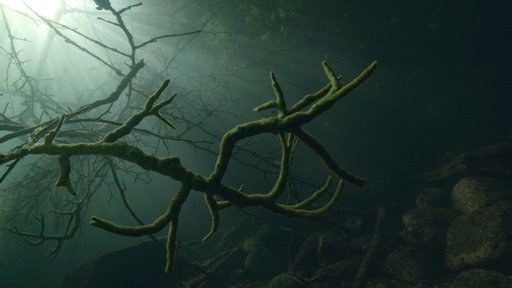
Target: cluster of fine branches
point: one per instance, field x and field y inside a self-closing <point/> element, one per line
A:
<point x="84" y="157"/>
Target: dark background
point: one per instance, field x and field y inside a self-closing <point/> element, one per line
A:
<point x="442" y="86"/>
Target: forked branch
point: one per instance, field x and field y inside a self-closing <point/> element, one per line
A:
<point x="286" y="125"/>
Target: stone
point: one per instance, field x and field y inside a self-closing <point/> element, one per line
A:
<point x="473" y="193"/>
<point x="481" y="237"/>
<point x="412" y="265"/>
<point x="479" y="278"/>
<point x="426" y="227"/>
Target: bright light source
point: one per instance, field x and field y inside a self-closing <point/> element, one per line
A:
<point x="46" y="8"/>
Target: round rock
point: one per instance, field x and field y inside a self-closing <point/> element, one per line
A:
<point x="473" y="193"/>
<point x="482" y="237"/>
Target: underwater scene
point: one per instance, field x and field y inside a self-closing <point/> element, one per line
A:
<point x="244" y="144"/>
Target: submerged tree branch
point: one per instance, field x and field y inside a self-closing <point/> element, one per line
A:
<point x="286" y="125"/>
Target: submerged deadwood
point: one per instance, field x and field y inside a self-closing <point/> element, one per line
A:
<point x="286" y="125"/>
